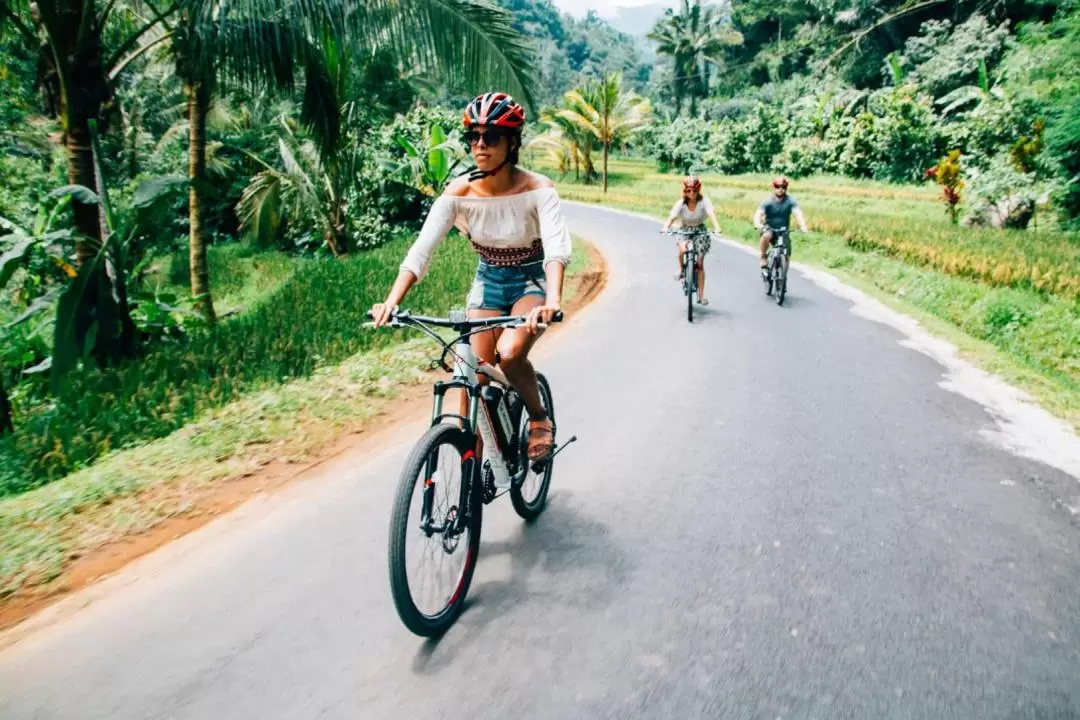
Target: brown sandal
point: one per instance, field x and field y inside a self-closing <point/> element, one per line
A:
<point x="541" y="438"/>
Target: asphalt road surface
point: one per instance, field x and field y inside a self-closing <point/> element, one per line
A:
<point x="772" y="513"/>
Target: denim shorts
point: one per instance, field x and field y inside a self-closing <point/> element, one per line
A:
<point x="498" y="288"/>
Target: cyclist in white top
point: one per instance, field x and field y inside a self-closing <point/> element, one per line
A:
<point x="691" y="211"/>
<point x="514" y="220"/>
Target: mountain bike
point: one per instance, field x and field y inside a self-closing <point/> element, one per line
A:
<point x="697" y="243"/>
<point x="775" y="272"/>
<point x="444" y="485"/>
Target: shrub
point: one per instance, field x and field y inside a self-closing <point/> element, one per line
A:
<point x="801" y="157"/>
<point x="680" y="146"/>
<point x="905" y="136"/>
<point x="857" y="157"/>
<point x="1003" y="196"/>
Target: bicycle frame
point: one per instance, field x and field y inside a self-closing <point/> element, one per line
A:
<point x="467" y="369"/>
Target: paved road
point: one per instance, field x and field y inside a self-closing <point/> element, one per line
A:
<point x="771" y="513"/>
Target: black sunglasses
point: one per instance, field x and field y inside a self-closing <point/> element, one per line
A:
<point x="491" y="137"/>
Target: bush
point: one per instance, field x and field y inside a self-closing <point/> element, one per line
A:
<point x="680" y="146"/>
<point x="905" y="137"/>
<point x="941" y="58"/>
<point x="801" y="157"/>
<point x="857" y="157"/>
<point x="729" y="149"/>
<point x="1003" y="196"/>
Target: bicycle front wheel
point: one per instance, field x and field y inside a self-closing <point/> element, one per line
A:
<point x="781" y="281"/>
<point x="691" y="286"/>
<point x="435" y="530"/>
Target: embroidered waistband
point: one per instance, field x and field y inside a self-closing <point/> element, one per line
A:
<point x="506" y="257"/>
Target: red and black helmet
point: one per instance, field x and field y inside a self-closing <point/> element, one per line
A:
<point x="780" y="182"/>
<point x="691" y="182"/>
<point x="495" y="109"/>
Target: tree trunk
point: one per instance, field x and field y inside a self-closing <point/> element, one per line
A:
<point x="6" y="425"/>
<point x="606" y="146"/>
<point x="83" y="91"/>
<point x="198" y="107"/>
<point x="80" y="164"/>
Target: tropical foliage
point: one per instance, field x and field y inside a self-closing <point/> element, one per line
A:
<point x="884" y="91"/>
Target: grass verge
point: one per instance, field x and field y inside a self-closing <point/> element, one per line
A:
<point x="44" y="532"/>
<point x="291" y="328"/>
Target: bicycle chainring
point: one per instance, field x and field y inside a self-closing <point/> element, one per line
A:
<point x="489" y="483"/>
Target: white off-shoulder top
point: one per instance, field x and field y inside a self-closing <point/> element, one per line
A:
<point x="504" y="230"/>
<point x="691" y="218"/>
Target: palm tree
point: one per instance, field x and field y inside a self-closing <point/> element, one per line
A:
<point x="694" y="37"/>
<point x="560" y="151"/>
<point x="578" y="141"/>
<point x="607" y="113"/>
<point x="76" y="77"/>
<point x="263" y="42"/>
<point x="258" y="42"/>
<point x="299" y="189"/>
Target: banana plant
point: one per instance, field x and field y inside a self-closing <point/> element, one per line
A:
<point x="429" y="169"/>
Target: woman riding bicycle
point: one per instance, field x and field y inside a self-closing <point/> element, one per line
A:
<point x="514" y="220"/>
<point x="691" y="211"/>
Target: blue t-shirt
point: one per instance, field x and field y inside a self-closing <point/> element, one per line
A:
<point x="778" y="211"/>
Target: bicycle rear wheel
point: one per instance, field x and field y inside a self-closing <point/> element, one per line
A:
<point x="439" y="508"/>
<point x="529" y="496"/>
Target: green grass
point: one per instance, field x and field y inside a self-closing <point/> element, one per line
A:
<point x="310" y="320"/>
<point x="1029" y="335"/>
<point x="241" y="276"/>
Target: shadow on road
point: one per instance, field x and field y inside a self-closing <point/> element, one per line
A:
<point x="563" y="560"/>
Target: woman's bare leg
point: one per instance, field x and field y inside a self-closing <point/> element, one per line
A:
<point x="514" y="346"/>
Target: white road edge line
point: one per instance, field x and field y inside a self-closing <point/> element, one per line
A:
<point x="1022" y="426"/>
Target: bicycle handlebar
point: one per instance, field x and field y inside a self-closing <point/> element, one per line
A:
<point x="684" y="231"/>
<point x="404" y="318"/>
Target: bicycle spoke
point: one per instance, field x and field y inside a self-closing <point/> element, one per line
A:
<point x="435" y="563"/>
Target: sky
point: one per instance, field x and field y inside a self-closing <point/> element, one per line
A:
<point x="605" y="8"/>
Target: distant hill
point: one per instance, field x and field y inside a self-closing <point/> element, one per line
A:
<point x="638" y="21"/>
<point x="570" y="50"/>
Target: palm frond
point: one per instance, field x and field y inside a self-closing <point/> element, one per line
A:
<point x="259" y="52"/>
<point x="259" y="209"/>
<point x="469" y="42"/>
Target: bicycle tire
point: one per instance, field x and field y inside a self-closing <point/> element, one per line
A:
<point x="415" y="619"/>
<point x="781" y="282"/>
<point x="691" y="285"/>
<point x="529" y="510"/>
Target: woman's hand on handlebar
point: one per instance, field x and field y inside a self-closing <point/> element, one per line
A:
<point x="541" y="315"/>
<point x="381" y="313"/>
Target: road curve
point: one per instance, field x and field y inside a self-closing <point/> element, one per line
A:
<point x="772" y="513"/>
